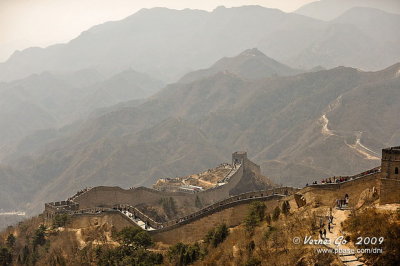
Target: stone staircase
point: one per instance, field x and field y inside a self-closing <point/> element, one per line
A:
<point x="346" y="257"/>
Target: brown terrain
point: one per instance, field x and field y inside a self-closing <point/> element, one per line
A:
<point x="102" y="211"/>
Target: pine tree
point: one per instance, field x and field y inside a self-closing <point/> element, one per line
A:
<point x="11" y="241"/>
<point x="285" y="208"/>
<point x="277" y="212"/>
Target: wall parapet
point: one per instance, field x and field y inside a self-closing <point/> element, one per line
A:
<point x="61" y="206"/>
<point x="262" y="195"/>
<point x="351" y="179"/>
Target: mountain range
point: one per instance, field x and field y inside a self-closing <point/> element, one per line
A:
<point x="299" y="127"/>
<point x="166" y="44"/>
<point x="48" y="100"/>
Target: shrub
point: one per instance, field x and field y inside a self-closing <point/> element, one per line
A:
<point x="133" y="250"/>
<point x="217" y="235"/>
<point x="60" y="220"/>
<point x="5" y="256"/>
<point x="133" y="236"/>
<point x="183" y="254"/>
<point x="255" y="216"/>
<point x="258" y="208"/>
<point x="39" y="238"/>
<point x="369" y="224"/>
<point x="10" y="241"/>
<point x="268" y="232"/>
<point x="277" y="212"/>
<point x="285" y="208"/>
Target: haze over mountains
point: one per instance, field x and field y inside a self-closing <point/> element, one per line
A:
<point x="96" y="111"/>
<point x="48" y="100"/>
<point x="330" y="9"/>
<point x="251" y="64"/>
<point x="166" y="43"/>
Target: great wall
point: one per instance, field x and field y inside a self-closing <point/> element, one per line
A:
<point x="219" y="201"/>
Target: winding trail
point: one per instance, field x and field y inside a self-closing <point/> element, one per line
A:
<point x="358" y="147"/>
<point x="325" y="130"/>
<point x="362" y="149"/>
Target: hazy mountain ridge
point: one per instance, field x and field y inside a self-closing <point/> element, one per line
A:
<point x="353" y="39"/>
<point x="50" y="100"/>
<point x="193" y="39"/>
<point x="250" y="64"/>
<point x="330" y="9"/>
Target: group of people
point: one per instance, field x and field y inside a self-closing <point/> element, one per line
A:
<point x="340" y="203"/>
<point x="335" y="179"/>
<point x="80" y="192"/>
<point x="372" y="171"/>
<point x="322" y="229"/>
<point x="340" y="179"/>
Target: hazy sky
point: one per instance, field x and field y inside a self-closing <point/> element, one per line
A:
<point x="25" y="23"/>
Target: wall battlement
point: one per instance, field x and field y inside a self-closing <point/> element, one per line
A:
<point x="53" y="208"/>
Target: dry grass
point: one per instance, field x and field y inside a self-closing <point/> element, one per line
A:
<point x="371" y="222"/>
<point x="271" y="244"/>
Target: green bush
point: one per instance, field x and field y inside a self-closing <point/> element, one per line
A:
<point x="285" y="208"/>
<point x="255" y="216"/>
<point x="268" y="232"/>
<point x="217" y="235"/>
<point x="133" y="236"/>
<point x="277" y="212"/>
<point x="10" y="241"/>
<point x="60" y="220"/>
<point x="125" y="255"/>
<point x="183" y="254"/>
<point x="39" y="238"/>
<point x="133" y="250"/>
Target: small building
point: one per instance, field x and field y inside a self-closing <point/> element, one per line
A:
<point x="390" y="165"/>
<point x="53" y="208"/>
<point x="239" y="157"/>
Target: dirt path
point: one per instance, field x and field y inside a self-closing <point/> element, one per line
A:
<point x="357" y="146"/>
<point x="348" y="258"/>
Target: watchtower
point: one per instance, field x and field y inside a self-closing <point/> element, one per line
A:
<point x="239" y="157"/>
<point x="390" y="167"/>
